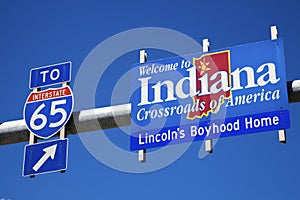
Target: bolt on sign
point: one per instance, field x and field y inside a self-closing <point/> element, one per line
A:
<point x="227" y="92"/>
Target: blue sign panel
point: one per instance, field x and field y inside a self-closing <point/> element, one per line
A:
<point x="50" y="75"/>
<point x="47" y="111"/>
<point x="226" y="92"/>
<point x="45" y="157"/>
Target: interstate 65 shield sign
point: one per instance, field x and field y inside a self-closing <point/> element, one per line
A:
<point x="46" y="112"/>
<point x="226" y="92"/>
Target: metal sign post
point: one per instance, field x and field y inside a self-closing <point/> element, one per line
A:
<point x="282" y="132"/>
<point x="32" y="137"/>
<point x="62" y="132"/>
<point x="142" y="152"/>
<point x="208" y="143"/>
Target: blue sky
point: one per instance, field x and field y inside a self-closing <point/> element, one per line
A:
<point x="36" y="33"/>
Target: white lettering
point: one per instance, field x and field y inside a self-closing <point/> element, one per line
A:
<point x="54" y="71"/>
<point x="219" y="81"/>
<point x="270" y="74"/>
<point x="44" y="74"/>
<point x="144" y="91"/>
<point x="251" y="122"/>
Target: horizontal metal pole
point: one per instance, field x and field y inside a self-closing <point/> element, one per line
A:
<point x="293" y="91"/>
<point x="98" y="119"/>
<point x="83" y="121"/>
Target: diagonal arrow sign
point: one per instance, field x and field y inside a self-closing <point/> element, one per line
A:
<point x="49" y="152"/>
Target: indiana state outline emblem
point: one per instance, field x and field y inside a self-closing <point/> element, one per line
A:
<point x="213" y="73"/>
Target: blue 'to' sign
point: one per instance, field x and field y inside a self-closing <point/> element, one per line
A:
<point x="50" y="75"/>
<point x="46" y="112"/>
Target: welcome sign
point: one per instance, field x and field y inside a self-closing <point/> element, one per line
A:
<point x="227" y="92"/>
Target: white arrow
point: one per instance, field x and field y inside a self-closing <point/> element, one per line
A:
<point x="49" y="152"/>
